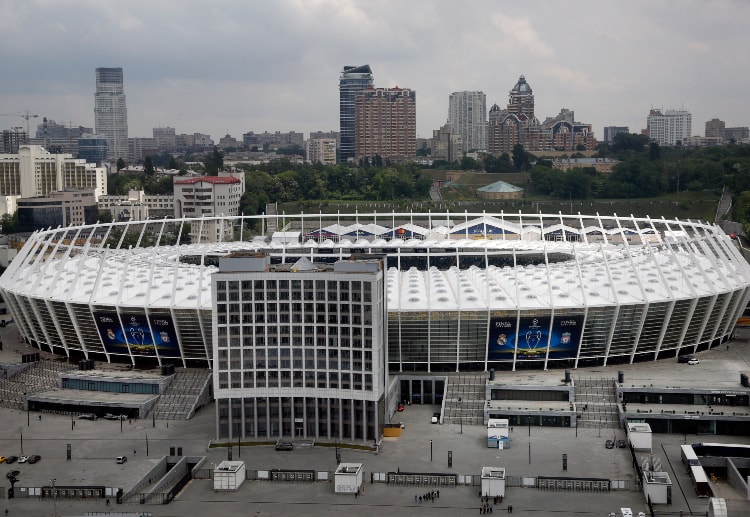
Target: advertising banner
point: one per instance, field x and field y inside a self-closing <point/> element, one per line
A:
<point x="136" y="333"/>
<point x="529" y="338"/>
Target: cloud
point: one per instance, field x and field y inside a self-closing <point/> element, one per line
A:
<point x="520" y="35"/>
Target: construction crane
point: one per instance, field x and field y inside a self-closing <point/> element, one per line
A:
<point x="24" y="115"/>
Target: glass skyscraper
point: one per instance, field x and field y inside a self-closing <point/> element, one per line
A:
<point x="352" y="81"/>
<point x="110" y="112"/>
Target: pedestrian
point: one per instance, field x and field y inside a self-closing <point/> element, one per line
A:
<point x="490" y="508"/>
<point x="74" y="424"/>
<point x="356" y="494"/>
<point x="438" y="494"/>
<point x="415" y="498"/>
<point x="40" y="418"/>
<point x="510" y="508"/>
<point x="420" y="499"/>
<point x="107" y="502"/>
<point x="133" y="452"/>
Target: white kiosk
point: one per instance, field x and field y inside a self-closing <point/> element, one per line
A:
<point x="348" y="478"/>
<point x="497" y="433"/>
<point x="493" y="481"/>
<point x="229" y="476"/>
<point x="639" y="435"/>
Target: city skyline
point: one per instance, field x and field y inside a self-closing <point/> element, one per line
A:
<point x="236" y="67"/>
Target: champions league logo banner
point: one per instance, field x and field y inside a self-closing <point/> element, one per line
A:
<point x="533" y="337"/>
<point x="137" y="334"/>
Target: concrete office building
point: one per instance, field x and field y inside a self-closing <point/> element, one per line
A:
<point x="110" y="111"/>
<point x="467" y="116"/>
<point x="670" y="127"/>
<point x="352" y="81"/>
<point x="611" y="131"/>
<point x="36" y="172"/>
<point x="298" y="348"/>
<point x="69" y="207"/>
<point x="92" y="148"/>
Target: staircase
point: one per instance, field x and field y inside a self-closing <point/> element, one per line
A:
<point x="188" y="391"/>
<point x="470" y="388"/>
<point x="596" y="403"/>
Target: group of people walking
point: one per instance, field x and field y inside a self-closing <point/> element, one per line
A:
<point x="429" y="496"/>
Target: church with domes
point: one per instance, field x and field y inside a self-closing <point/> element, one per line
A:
<point x="517" y="124"/>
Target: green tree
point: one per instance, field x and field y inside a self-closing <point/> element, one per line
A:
<point x="9" y="223"/>
<point x="469" y="164"/>
<point x="120" y="164"/>
<point x="521" y="159"/>
<point x="104" y="216"/>
<point x="148" y="167"/>
<point x="213" y="162"/>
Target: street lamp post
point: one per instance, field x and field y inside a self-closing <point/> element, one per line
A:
<point x="461" y="414"/>
<point x="146" y="444"/>
<point x="430" y="450"/>
<point x="54" y="498"/>
<point x="26" y="401"/>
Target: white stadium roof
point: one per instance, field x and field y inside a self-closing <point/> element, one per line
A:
<point x="620" y="261"/>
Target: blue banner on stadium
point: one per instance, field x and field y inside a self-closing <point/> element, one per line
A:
<point x="530" y="337"/>
<point x="136" y="334"/>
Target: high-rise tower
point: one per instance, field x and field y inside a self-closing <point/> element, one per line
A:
<point x="467" y="116"/>
<point x="352" y="81"/>
<point x="386" y="124"/>
<point x="110" y="112"/>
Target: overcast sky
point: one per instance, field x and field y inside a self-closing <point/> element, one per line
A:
<point x="221" y="67"/>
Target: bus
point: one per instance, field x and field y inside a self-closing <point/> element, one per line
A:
<point x="700" y="480"/>
<point x="689" y="458"/>
<point x="722" y="450"/>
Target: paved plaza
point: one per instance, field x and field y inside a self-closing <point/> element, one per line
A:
<point x="422" y="448"/>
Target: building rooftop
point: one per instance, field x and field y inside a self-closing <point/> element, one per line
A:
<point x="500" y="186"/>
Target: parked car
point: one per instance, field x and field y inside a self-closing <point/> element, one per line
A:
<point x="2" y="459"/>
<point x="110" y="416"/>
<point x="121" y="459"/>
<point x="685" y="358"/>
<point x="609" y="444"/>
<point x="23" y="459"/>
<point x="694" y="360"/>
<point x="88" y="416"/>
<point x="400" y="407"/>
<point x="621" y="444"/>
<point x="435" y="418"/>
<point x="34" y="458"/>
<point x="11" y="459"/>
<point x="284" y="446"/>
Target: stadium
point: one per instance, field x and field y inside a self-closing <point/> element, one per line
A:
<point x="463" y="291"/>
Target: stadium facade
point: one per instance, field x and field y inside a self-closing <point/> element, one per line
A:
<point x="462" y="292"/>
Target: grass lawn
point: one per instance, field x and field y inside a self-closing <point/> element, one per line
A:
<point x="686" y="205"/>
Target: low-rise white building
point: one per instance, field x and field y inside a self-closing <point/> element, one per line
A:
<point x="639" y="435"/>
<point x="493" y="481"/>
<point x="210" y="197"/>
<point x="348" y="478"/>
<point x="229" y="476"/>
